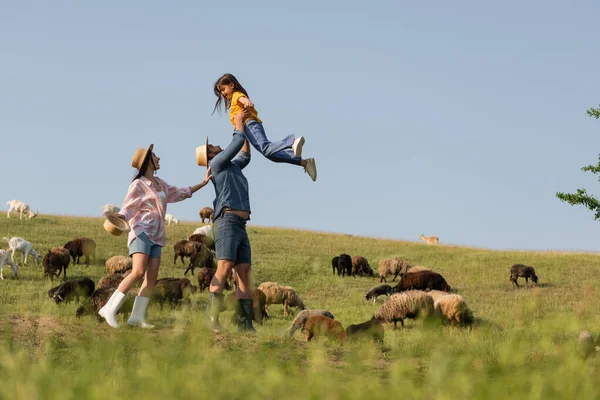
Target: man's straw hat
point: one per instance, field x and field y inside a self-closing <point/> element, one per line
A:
<point x="139" y="157"/>
<point x="202" y="154"/>
<point x="115" y="225"/>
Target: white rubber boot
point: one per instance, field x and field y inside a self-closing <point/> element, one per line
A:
<point x="109" y="311"/>
<point x="137" y="317"/>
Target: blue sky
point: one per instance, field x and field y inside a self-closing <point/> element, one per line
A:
<point x="457" y="119"/>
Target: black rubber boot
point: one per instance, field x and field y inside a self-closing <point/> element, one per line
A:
<point x="213" y="308"/>
<point x="240" y="317"/>
<point x="248" y="310"/>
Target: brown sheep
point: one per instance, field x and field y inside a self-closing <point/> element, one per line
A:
<point x="99" y="298"/>
<point x="206" y="240"/>
<point x="259" y="302"/>
<point x="205" y="213"/>
<point x="392" y="266"/>
<point x="320" y="325"/>
<point x="277" y="294"/>
<point x="172" y="290"/>
<point x="82" y="247"/>
<point x="56" y="261"/>
<point x="180" y="251"/>
<point x="371" y="328"/>
<point x="361" y="267"/>
<point x="204" y="277"/>
<point x="422" y="280"/>
<point x="112" y="280"/>
<point x="524" y="271"/>
<point x="118" y="264"/>
<point x="200" y="256"/>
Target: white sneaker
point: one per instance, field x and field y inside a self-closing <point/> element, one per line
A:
<point x="297" y="146"/>
<point x="311" y="169"/>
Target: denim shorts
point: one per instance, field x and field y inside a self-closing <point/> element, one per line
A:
<point x="142" y="244"/>
<point x="231" y="239"/>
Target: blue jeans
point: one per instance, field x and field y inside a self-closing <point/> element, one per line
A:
<point x="275" y="151"/>
<point x="231" y="239"/>
<point x="142" y="244"/>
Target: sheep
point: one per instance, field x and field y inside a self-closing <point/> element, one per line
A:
<point x="430" y="239"/>
<point x="200" y="256"/>
<point x="277" y="294"/>
<point x="55" y="261"/>
<point x="109" y="209"/>
<point x="118" y="264"/>
<point x="73" y="289"/>
<point x="360" y="266"/>
<point x="85" y="247"/>
<point x="204" y="277"/>
<point x="170" y="219"/>
<point x="259" y="301"/>
<point x="172" y="290"/>
<point x="343" y="264"/>
<point x="303" y="316"/>
<point x="21" y="208"/>
<point x="392" y="266"/>
<point x="204" y="230"/>
<point x="179" y="250"/>
<point x="334" y="263"/>
<point x="377" y="291"/>
<point x="523" y="271"/>
<point x="208" y="241"/>
<point x="99" y="298"/>
<point x="436" y="294"/>
<point x="454" y="309"/>
<point x="371" y="328"/>
<point x="206" y="213"/>
<point x="17" y="244"/>
<point x="587" y="345"/>
<point x="320" y="325"/>
<point x="422" y="280"/>
<point x="412" y="270"/>
<point x="112" y="280"/>
<point x="400" y="306"/>
<point x="5" y="259"/>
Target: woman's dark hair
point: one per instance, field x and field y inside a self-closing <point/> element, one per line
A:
<point x="144" y="167"/>
<point x="226" y="79"/>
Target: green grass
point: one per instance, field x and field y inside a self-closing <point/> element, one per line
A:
<point x="523" y="345"/>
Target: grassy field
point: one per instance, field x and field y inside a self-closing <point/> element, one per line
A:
<point x="523" y="345"/>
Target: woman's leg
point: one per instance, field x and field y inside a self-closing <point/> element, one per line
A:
<point x="150" y="278"/>
<point x="139" y="265"/>
<point x="138" y="314"/>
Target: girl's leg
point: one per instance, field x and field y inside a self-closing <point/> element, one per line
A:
<point x="150" y="278"/>
<point x="139" y="264"/>
<point x="138" y="314"/>
<point x="280" y="151"/>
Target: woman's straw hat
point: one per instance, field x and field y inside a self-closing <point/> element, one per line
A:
<point x="202" y="154"/>
<point x="115" y="225"/>
<point x="139" y="157"/>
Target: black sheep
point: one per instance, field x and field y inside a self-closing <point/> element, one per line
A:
<point x="523" y="271"/>
<point x="74" y="289"/>
<point x="377" y="291"/>
<point x="371" y="328"/>
<point x="334" y="263"/>
<point x="345" y="265"/>
<point x="422" y="280"/>
<point x="82" y="247"/>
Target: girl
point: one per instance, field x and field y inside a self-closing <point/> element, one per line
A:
<point x="235" y="98"/>
<point x="144" y="208"/>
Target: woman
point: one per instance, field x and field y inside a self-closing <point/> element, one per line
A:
<point x="144" y="208"/>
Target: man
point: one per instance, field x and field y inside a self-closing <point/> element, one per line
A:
<point x="232" y="210"/>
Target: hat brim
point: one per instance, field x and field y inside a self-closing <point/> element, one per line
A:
<point x="202" y="154"/>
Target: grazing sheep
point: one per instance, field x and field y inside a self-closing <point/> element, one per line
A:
<point x="206" y="213"/>
<point x="404" y="305"/>
<point x="391" y="266"/>
<point x="172" y="290"/>
<point x="99" y="298"/>
<point x="430" y="239"/>
<point x="412" y="270"/>
<point x="371" y="329"/>
<point x="587" y="345"/>
<point x="303" y="316"/>
<point x="453" y="308"/>
<point x="436" y="294"/>
<point x="320" y="325"/>
<point x="377" y="291"/>
<point x="259" y="301"/>
<point x="69" y="290"/>
<point x="208" y="241"/>
<point x="334" y="263"/>
<point x="5" y="259"/>
<point x="170" y="219"/>
<point x="523" y="271"/>
<point x="118" y="264"/>
<point x="204" y="230"/>
<point x="21" y="208"/>
<point x="343" y="264"/>
<point x="204" y="277"/>
<point x="17" y="244"/>
<point x="56" y="261"/>
<point x="109" y="208"/>
<point x="200" y="256"/>
<point x="422" y="280"/>
<point x="361" y="267"/>
<point x="180" y="251"/>
<point x="81" y="247"/>
<point x="277" y="294"/>
<point x="112" y="280"/>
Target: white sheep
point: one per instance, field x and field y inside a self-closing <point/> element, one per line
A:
<point x="170" y="218"/>
<point x="454" y="309"/>
<point x="21" y="208"/>
<point x="17" y="244"/>
<point x="409" y="304"/>
<point x="109" y="208"/>
<point x="5" y="259"/>
<point x="203" y="230"/>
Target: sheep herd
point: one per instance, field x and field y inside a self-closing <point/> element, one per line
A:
<point x="419" y="292"/>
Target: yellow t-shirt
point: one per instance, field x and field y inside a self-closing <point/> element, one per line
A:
<point x="236" y="107"/>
